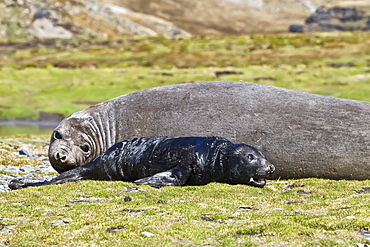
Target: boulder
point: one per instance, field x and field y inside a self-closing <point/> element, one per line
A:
<point x="334" y="19"/>
<point x="44" y="28"/>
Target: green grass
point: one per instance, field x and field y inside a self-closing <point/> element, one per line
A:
<point x="304" y="212"/>
<point x="64" y="76"/>
<point x="25" y="93"/>
<point x="186" y="52"/>
<point x="332" y="214"/>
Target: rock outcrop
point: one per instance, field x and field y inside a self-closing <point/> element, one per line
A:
<point x="334" y="19"/>
<point x="67" y="19"/>
<point x="110" y="18"/>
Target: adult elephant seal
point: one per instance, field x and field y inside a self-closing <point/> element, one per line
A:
<point x="303" y="134"/>
<point x="167" y="161"/>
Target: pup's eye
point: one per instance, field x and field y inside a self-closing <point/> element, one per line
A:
<point x="84" y="148"/>
<point x="57" y="135"/>
<point x="250" y="156"/>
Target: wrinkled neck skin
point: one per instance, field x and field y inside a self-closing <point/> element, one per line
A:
<point x="95" y="137"/>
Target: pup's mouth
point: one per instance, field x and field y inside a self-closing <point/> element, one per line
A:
<point x="257" y="182"/>
<point x="259" y="179"/>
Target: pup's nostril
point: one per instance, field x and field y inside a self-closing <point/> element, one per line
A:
<point x="272" y="169"/>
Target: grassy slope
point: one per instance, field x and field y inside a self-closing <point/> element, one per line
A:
<point x="306" y="212"/>
<point x="65" y="76"/>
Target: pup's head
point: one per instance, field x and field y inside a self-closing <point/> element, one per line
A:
<point x="247" y="165"/>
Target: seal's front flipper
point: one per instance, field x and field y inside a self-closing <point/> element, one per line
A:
<point x="176" y="176"/>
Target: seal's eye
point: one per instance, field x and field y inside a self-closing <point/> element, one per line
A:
<point x="250" y="156"/>
<point x="57" y="135"/>
<point x="84" y="148"/>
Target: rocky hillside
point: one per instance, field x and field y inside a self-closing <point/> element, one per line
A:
<point x="109" y="18"/>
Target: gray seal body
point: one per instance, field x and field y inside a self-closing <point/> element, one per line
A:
<point x="302" y="134"/>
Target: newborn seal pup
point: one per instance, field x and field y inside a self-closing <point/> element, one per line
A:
<point x="304" y="135"/>
<point x="168" y="161"/>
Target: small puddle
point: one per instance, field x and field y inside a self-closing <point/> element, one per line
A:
<point x="17" y="127"/>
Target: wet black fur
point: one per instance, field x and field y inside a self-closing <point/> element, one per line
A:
<point x="163" y="161"/>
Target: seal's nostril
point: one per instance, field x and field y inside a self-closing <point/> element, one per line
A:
<point x="60" y="157"/>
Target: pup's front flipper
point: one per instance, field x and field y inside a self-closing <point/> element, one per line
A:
<point x="176" y="176"/>
<point x="16" y="184"/>
<point x="68" y="176"/>
<point x="76" y="174"/>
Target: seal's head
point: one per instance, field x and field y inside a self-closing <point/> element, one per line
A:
<point x="247" y="165"/>
<point x="71" y="145"/>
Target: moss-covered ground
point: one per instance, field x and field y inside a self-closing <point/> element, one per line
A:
<point x="65" y="76"/>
